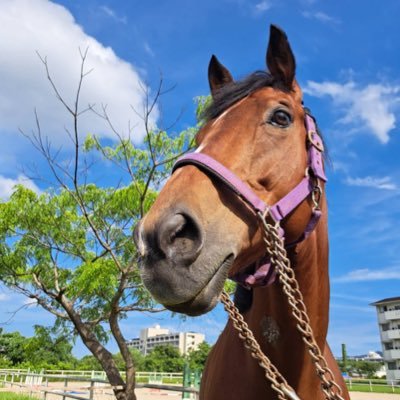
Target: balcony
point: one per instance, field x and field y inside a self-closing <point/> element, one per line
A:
<point x="393" y="375"/>
<point x="389" y="316"/>
<point x="391" y="354"/>
<point x="390" y="334"/>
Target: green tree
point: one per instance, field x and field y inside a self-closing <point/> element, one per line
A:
<point x="47" y="350"/>
<point x="11" y="348"/>
<point x="164" y="358"/>
<point x="70" y="248"/>
<point x="364" y="368"/>
<point x="137" y="356"/>
<point x="197" y="358"/>
<point x="89" y="363"/>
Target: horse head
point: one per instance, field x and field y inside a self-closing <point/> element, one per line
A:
<point x="198" y="232"/>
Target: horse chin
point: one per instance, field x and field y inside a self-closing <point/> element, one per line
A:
<point x="207" y="298"/>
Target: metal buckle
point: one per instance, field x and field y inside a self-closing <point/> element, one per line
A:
<point x="317" y="144"/>
<point x="316" y="195"/>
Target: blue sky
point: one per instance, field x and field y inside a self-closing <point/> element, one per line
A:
<point x="348" y="64"/>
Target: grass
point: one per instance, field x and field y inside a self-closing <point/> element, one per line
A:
<point x="13" y="396"/>
<point x="357" y="387"/>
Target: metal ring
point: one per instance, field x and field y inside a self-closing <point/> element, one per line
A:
<point x="316" y="143"/>
<point x="316" y="195"/>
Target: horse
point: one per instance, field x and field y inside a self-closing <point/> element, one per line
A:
<point x="201" y="231"/>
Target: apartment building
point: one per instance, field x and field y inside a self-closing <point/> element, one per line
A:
<point x="157" y="336"/>
<point x="388" y="312"/>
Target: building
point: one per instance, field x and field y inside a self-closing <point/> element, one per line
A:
<point x="157" y="336"/>
<point x="388" y="311"/>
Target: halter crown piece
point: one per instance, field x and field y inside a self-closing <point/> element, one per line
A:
<point x="261" y="272"/>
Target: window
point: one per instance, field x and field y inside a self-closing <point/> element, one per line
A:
<point x="391" y="365"/>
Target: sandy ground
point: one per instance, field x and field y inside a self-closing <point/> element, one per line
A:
<point x="374" y="396"/>
<point x="156" y="394"/>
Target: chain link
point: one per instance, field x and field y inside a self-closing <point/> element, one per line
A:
<point x="278" y="382"/>
<point x="279" y="259"/>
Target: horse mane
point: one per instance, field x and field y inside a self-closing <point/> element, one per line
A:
<point x="234" y="91"/>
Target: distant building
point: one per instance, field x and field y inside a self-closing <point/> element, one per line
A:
<point x="388" y="311"/>
<point x="370" y="356"/>
<point x="157" y="336"/>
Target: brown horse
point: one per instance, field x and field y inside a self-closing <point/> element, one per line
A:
<point x="198" y="232"/>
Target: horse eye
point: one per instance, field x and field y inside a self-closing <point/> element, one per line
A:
<point x="280" y="118"/>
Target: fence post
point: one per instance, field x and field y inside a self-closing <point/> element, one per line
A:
<point x="370" y="386"/>
<point x="392" y="387"/>
<point x="91" y="390"/>
<point x="186" y="380"/>
<point x="65" y="386"/>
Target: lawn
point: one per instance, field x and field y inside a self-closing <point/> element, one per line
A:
<point x="13" y="396"/>
<point x="357" y="387"/>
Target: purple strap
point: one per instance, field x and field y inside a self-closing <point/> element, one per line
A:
<point x="278" y="211"/>
<point x="224" y="174"/>
<point x="315" y="150"/>
<point x="264" y="275"/>
<point x="289" y="202"/>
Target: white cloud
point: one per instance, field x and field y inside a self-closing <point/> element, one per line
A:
<point x="384" y="183"/>
<point x="148" y="49"/>
<point x="366" y="274"/>
<point x="262" y="6"/>
<point x="4" y="297"/>
<point x="7" y="185"/>
<point x="369" y="108"/>
<point x="28" y="26"/>
<point x="29" y="302"/>
<point x="113" y="15"/>
<point x="320" y="16"/>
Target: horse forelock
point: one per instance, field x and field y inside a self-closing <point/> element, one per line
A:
<point x="234" y="91"/>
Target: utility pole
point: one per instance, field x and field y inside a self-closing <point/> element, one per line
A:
<point x="344" y="357"/>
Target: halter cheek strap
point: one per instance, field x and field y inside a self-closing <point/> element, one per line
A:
<point x="309" y="185"/>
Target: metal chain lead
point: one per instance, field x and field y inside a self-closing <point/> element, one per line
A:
<point x="276" y="249"/>
<point x="278" y="382"/>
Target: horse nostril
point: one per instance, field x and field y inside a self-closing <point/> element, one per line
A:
<point x="180" y="238"/>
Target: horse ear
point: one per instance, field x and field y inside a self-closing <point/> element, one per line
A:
<point x="218" y="75"/>
<point x="280" y="58"/>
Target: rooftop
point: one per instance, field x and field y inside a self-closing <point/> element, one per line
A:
<point x="384" y="301"/>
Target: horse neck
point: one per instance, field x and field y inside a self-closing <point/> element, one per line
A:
<point x="270" y="315"/>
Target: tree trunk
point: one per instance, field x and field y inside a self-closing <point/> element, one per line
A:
<point x="121" y="391"/>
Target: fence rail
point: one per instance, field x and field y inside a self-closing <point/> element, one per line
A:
<point x="371" y="385"/>
<point x="74" y="386"/>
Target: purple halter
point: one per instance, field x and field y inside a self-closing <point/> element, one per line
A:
<point x="309" y="185"/>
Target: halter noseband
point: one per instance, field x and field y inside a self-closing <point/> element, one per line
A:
<point x="309" y="185"/>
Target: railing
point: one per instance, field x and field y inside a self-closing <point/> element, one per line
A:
<point x="374" y="386"/>
<point x="390" y="334"/>
<point x="79" y="387"/>
<point x="392" y="354"/>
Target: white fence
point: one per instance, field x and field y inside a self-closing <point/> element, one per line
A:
<point x="83" y="385"/>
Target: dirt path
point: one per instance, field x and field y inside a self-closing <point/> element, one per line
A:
<point x="373" y="396"/>
<point x="156" y="394"/>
